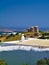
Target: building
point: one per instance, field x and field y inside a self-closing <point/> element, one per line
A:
<point x="36" y="30"/>
<point x="31" y="29"/>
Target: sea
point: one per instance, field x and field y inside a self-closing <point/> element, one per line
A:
<point x="21" y="57"/>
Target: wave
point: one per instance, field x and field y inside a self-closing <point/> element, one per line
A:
<point x="27" y="48"/>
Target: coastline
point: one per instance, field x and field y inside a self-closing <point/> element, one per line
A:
<point x="30" y="44"/>
<point x="26" y="48"/>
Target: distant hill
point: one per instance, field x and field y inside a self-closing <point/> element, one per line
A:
<point x="11" y="29"/>
<point x="3" y="29"/>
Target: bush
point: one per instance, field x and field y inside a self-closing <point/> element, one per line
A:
<point x="2" y="62"/>
<point x="41" y="62"/>
<point x="44" y="61"/>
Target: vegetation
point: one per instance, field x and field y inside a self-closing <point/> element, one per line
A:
<point x="44" y="35"/>
<point x="2" y="62"/>
<point x="10" y="37"/>
<point x="43" y="62"/>
<point x="41" y="32"/>
<point x="17" y="36"/>
<point x="13" y="37"/>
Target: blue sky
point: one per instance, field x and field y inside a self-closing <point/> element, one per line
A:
<point x="24" y="13"/>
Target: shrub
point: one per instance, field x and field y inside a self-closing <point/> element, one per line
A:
<point x="2" y="62"/>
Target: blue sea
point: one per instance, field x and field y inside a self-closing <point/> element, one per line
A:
<point x="20" y="57"/>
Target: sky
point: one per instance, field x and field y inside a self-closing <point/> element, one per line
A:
<point x="24" y="13"/>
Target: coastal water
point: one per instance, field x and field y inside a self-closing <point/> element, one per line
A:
<point x="20" y="57"/>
